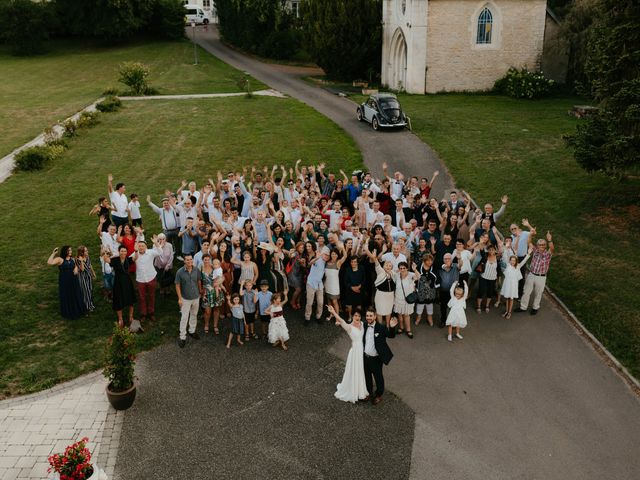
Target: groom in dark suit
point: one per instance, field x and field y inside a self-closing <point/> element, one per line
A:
<point x="376" y="352"/>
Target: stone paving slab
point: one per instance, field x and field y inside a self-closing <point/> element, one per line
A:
<point x="33" y="427"/>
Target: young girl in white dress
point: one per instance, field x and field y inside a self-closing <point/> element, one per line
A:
<point x="458" y="303"/>
<point x="278" y="332"/>
<point x="353" y="386"/>
<point x="512" y="275"/>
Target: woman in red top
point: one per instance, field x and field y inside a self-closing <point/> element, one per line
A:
<point x="127" y="238"/>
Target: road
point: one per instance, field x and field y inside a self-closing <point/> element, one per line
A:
<point x="401" y="149"/>
<point x="524" y="398"/>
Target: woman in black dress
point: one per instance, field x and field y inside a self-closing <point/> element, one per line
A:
<point x="71" y="304"/>
<point x="123" y="292"/>
<point x="354" y="283"/>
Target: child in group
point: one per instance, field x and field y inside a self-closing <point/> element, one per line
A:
<point x="512" y="275"/>
<point x="278" y="332"/>
<point x="107" y="275"/>
<point x="134" y="211"/>
<point x="237" y="319"/>
<point x="103" y="209"/>
<point x="458" y="303"/>
<point x="264" y="301"/>
<point x="249" y="299"/>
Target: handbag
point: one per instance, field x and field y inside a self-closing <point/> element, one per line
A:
<point x="480" y="266"/>
<point x="412" y="297"/>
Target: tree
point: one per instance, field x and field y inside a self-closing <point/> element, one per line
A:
<point x="24" y="25"/>
<point x="265" y="27"/>
<point x="609" y="141"/>
<point x="110" y="20"/>
<point x="344" y="37"/>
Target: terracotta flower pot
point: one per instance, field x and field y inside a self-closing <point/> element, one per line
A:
<point x="121" y="400"/>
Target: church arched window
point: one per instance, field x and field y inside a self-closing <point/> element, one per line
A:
<point x="485" y="25"/>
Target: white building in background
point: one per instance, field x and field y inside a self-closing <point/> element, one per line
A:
<point x="453" y="45"/>
<point x="208" y="6"/>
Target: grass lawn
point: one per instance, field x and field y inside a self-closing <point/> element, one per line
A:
<point x="150" y="146"/>
<point x="496" y="145"/>
<point x="36" y="92"/>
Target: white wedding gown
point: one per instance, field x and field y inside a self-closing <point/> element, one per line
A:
<point x="353" y="387"/>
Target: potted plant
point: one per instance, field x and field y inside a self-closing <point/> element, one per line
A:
<point x="75" y="463"/>
<point x="119" y="361"/>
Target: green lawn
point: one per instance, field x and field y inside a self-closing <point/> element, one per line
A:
<point x="495" y="145"/>
<point x="36" y="92"/>
<point x="151" y="146"/>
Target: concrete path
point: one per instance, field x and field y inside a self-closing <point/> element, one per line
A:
<point x="401" y="149"/>
<point x="526" y="398"/>
<point x="35" y="426"/>
<point x="259" y="93"/>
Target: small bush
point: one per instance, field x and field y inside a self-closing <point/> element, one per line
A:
<point x="70" y="128"/>
<point x="523" y="84"/>
<point x="109" y="104"/>
<point x="120" y="359"/>
<point x="87" y="120"/>
<point x="110" y="92"/>
<point x="134" y="75"/>
<point x="35" y="158"/>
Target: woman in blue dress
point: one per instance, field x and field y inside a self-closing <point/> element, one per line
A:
<point x="71" y="302"/>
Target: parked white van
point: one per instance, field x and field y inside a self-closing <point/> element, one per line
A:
<point x="194" y="14"/>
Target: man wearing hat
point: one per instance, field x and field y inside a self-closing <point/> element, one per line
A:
<point x="168" y="218"/>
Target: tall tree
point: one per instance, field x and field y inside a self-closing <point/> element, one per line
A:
<point x="609" y="141"/>
<point x="344" y="37"/>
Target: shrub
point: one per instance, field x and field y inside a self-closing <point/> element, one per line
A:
<point x="35" y="158"/>
<point x="120" y="359"/>
<point x="134" y="75"/>
<point x="110" y="92"/>
<point x="109" y="104"/>
<point x="523" y="84"/>
<point x="87" y="120"/>
<point x="24" y="25"/>
<point x="70" y="128"/>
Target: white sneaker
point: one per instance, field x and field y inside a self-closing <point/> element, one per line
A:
<point x="449" y="338"/>
<point x="459" y="336"/>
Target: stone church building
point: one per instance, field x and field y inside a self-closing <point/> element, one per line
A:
<point x="453" y="45"/>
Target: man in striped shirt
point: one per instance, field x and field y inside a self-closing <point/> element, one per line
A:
<point x="537" y="278"/>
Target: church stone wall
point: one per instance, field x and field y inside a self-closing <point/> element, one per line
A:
<point x="455" y="62"/>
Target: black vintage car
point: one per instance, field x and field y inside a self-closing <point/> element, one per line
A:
<point x="382" y="110"/>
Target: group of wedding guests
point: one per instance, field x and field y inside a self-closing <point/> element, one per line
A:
<point x="245" y="244"/>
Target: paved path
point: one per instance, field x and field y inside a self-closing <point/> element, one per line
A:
<point x="255" y="412"/>
<point x="525" y="398"/>
<point x="35" y="426"/>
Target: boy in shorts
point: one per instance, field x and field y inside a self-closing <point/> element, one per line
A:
<point x="249" y="298"/>
<point x="264" y="302"/>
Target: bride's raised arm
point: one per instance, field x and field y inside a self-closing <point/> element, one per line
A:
<point x="339" y="320"/>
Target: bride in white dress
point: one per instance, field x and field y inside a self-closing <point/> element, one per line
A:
<point x="353" y="386"/>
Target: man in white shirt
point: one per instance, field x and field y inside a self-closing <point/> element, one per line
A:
<point x="119" y="202"/>
<point x="374" y="215"/>
<point x="146" y="277"/>
<point x="396" y="184"/>
<point x="109" y="238"/>
<point x="394" y="256"/>
<point x="335" y="216"/>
